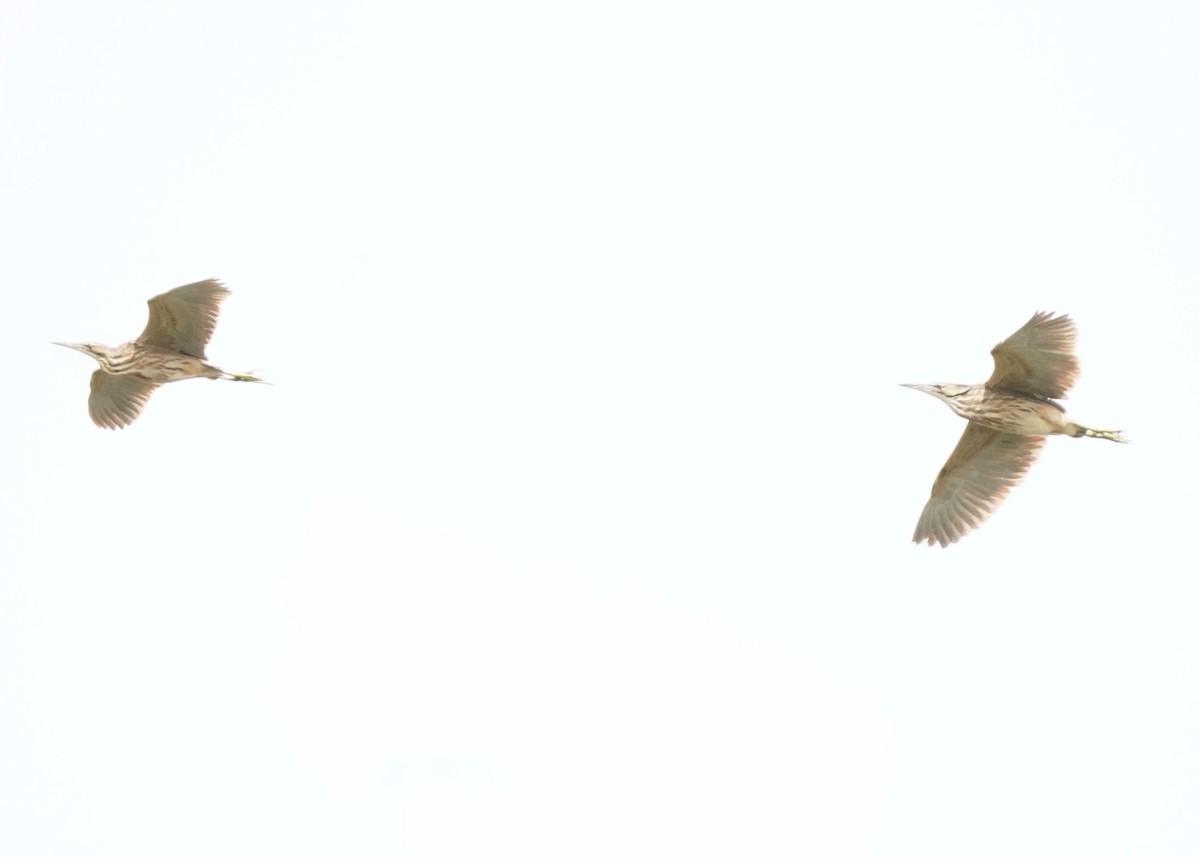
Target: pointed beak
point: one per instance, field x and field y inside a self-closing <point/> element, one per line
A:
<point x="73" y="345"/>
<point x="924" y="388"/>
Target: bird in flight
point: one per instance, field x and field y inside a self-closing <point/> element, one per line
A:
<point x="171" y="348"/>
<point x="1008" y="418"/>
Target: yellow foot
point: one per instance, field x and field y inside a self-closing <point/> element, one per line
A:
<point x="1106" y="434"/>
<point x="246" y="376"/>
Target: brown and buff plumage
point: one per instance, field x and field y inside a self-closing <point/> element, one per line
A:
<point x="1009" y="417"/>
<point x="171" y="348"/>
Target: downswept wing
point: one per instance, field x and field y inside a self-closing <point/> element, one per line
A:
<point x="1038" y="360"/>
<point x="116" y="400"/>
<point x="183" y="319"/>
<point x="976" y="478"/>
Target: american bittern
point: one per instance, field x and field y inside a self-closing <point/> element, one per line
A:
<point x="171" y="348"/>
<point x="1009" y="416"/>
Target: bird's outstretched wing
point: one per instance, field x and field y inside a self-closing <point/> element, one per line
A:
<point x="976" y="478"/>
<point x="1039" y="359"/>
<point x="183" y="319"/>
<point x="116" y="400"/>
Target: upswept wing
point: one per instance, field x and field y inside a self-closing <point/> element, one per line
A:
<point x="183" y="319"/>
<point x="974" y="481"/>
<point x="116" y="400"/>
<point x="1039" y="359"/>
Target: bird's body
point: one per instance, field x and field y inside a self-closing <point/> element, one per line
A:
<point x="1009" y="412"/>
<point x="158" y="365"/>
<point x="171" y="348"/>
<point x="1009" y="416"/>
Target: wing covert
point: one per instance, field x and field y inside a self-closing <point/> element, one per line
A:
<point x="116" y="400"/>
<point x="974" y="481"/>
<point x="1039" y="359"/>
<point x="183" y="318"/>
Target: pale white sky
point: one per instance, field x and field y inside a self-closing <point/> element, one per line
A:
<point x="577" y="519"/>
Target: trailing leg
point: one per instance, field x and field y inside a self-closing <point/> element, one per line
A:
<point x="1076" y="430"/>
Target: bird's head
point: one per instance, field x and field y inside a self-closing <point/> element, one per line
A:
<point x="92" y="349"/>
<point x="945" y="392"/>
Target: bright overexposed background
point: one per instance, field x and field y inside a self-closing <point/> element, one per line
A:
<point x="577" y="519"/>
